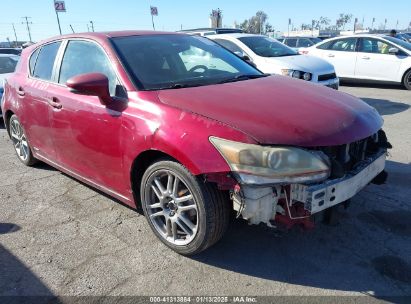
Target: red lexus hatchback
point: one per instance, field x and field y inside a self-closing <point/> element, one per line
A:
<point x="185" y="130"/>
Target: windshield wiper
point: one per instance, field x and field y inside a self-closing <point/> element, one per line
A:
<point x="178" y="86"/>
<point x="243" y="77"/>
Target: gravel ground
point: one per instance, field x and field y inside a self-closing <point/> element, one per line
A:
<point x="60" y="237"/>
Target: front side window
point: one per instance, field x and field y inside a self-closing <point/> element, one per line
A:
<point x="267" y="47"/>
<point x="173" y="61"/>
<point x="370" y="45"/>
<point x="82" y="57"/>
<point x="45" y="61"/>
<point x="8" y="64"/>
<point x="343" y="45"/>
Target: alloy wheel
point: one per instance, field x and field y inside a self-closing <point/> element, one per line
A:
<point x="171" y="207"/>
<point x="19" y="140"/>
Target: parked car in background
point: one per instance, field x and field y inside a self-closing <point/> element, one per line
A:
<point x="211" y="31"/>
<point x="7" y="66"/>
<point x="299" y="42"/>
<point x="271" y="56"/>
<point x="122" y="112"/>
<point x="367" y="57"/>
<point x="10" y="51"/>
<point x="404" y="36"/>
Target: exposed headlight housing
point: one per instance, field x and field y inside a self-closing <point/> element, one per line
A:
<point x="255" y="164"/>
<point x="297" y="74"/>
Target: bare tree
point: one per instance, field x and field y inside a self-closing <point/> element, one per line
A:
<point x="342" y="20"/>
<point x="324" y="21"/>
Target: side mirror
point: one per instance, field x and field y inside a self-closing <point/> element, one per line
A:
<point x="393" y="51"/>
<point x="93" y="84"/>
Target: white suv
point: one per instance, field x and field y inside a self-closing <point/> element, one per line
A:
<point x="367" y="57"/>
<point x="271" y="56"/>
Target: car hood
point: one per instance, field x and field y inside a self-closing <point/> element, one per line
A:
<point x="303" y="63"/>
<point x="281" y="110"/>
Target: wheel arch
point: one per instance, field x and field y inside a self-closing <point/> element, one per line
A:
<point x="405" y="73"/>
<point x="7" y="117"/>
<point x="139" y="166"/>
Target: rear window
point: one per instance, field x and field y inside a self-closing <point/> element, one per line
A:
<point x="45" y="61"/>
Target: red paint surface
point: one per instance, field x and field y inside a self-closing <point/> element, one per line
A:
<point x="99" y="143"/>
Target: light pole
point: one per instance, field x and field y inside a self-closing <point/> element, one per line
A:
<point x="15" y="35"/>
<point x="27" y="25"/>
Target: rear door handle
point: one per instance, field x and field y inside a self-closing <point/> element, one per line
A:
<point x="366" y="57"/>
<point x="20" y="92"/>
<point x="331" y="55"/>
<point x="54" y="102"/>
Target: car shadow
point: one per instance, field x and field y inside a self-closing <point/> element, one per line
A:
<point x="2" y="126"/>
<point x="386" y="107"/>
<point x="348" y="256"/>
<point x="16" y="279"/>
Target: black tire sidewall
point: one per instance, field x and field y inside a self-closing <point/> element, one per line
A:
<point x="405" y="82"/>
<point x="194" y="186"/>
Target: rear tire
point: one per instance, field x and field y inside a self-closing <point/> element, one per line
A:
<point x="407" y="80"/>
<point x="20" y="143"/>
<point x="189" y="215"/>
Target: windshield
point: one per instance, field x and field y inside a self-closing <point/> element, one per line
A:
<point x="267" y="47"/>
<point x="175" y="61"/>
<point x="404" y="44"/>
<point x="7" y="64"/>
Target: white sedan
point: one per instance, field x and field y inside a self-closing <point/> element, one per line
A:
<point x="8" y="63"/>
<point x="271" y="56"/>
<point x="367" y="57"/>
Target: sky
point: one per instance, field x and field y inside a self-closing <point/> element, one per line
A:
<point x="174" y="14"/>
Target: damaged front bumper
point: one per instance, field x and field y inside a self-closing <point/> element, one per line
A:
<point x="295" y="203"/>
<point x="318" y="197"/>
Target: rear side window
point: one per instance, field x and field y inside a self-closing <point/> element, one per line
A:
<point x="33" y="59"/>
<point x="230" y="46"/>
<point x="342" y="45"/>
<point x="83" y="57"/>
<point x="325" y="45"/>
<point x="45" y="61"/>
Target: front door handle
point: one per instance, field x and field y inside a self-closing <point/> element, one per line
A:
<point x="20" y="92"/>
<point x="54" y="102"/>
<point x="366" y="57"/>
<point x="331" y="55"/>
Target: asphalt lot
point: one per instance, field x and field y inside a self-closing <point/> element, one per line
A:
<point x="60" y="237"/>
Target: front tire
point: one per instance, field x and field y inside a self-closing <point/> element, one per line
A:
<point x="20" y="143"/>
<point x="407" y="80"/>
<point x="185" y="213"/>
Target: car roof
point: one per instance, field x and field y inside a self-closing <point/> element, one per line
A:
<point x="9" y="55"/>
<point x="235" y="35"/>
<point x="108" y="34"/>
<point x="308" y="37"/>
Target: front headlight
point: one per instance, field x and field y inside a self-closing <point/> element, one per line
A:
<point x="256" y="164"/>
<point x="297" y="74"/>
